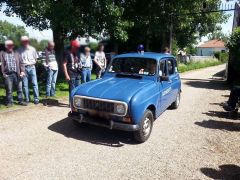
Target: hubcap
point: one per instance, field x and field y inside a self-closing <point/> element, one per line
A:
<point x="146" y="126"/>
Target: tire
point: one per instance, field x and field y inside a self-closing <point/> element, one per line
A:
<point x="145" y="128"/>
<point x="176" y="103"/>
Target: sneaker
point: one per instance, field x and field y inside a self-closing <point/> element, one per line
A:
<point x="36" y="102"/>
<point x="226" y="107"/>
<point x="23" y="103"/>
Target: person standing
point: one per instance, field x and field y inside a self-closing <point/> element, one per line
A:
<point x="13" y="70"/>
<point x="86" y="61"/>
<point x="100" y="60"/>
<point x="140" y="49"/>
<point x="72" y="66"/>
<point x="51" y="66"/>
<point x="29" y="56"/>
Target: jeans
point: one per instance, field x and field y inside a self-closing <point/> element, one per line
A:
<point x="99" y="72"/>
<point x="51" y="82"/>
<point x="86" y="75"/>
<point x="13" y="80"/>
<point x="234" y="97"/>
<point x="30" y="75"/>
<point x="73" y="83"/>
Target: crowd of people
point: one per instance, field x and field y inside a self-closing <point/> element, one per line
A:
<point x="19" y="68"/>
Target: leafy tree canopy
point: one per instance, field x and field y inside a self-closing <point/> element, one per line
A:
<point x="10" y="31"/>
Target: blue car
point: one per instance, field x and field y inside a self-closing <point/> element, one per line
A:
<point x="134" y="91"/>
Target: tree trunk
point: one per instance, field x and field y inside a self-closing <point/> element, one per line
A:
<point x="59" y="48"/>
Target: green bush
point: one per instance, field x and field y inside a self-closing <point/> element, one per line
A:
<point x="221" y="56"/>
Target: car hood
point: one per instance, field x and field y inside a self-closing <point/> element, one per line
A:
<point x="121" y="89"/>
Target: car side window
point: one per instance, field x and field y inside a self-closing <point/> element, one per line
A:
<point x="163" y="68"/>
<point x="170" y="66"/>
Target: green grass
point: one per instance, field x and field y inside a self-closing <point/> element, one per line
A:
<point x="198" y="65"/>
<point x="61" y="91"/>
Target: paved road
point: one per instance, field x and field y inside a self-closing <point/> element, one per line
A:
<point x="196" y="141"/>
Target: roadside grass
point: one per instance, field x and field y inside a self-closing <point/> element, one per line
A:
<point x="198" y="65"/>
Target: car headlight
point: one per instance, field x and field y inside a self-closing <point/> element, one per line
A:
<point x="120" y="109"/>
<point x="77" y="102"/>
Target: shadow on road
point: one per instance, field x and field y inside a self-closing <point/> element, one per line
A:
<point x="228" y="172"/>
<point x="221" y="125"/>
<point x="92" y="134"/>
<point x="215" y="84"/>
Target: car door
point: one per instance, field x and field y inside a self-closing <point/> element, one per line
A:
<point x="173" y="77"/>
<point x="164" y="88"/>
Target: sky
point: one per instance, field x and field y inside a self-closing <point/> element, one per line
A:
<point x="47" y="34"/>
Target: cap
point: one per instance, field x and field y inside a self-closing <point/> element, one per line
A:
<point x="75" y="43"/>
<point x="24" y="38"/>
<point x="8" y="42"/>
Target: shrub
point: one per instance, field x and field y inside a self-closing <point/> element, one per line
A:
<point x="221" y="56"/>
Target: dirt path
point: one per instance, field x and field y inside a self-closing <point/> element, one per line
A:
<point x="194" y="142"/>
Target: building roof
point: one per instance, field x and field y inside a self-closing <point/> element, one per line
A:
<point x="213" y="44"/>
<point x="149" y="55"/>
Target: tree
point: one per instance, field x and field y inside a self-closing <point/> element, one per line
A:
<point x="234" y="61"/>
<point x="71" y="18"/>
<point x="10" y="31"/>
<point x="218" y="34"/>
<point x="154" y="19"/>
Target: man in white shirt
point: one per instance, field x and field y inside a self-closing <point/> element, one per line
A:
<point x="51" y="66"/>
<point x="29" y="56"/>
<point x="100" y="60"/>
<point x="86" y="62"/>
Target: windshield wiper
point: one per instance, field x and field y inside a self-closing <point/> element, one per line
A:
<point x="128" y="75"/>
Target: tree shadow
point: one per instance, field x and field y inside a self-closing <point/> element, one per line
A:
<point x="221" y="125"/>
<point x="219" y="74"/>
<point x="92" y="134"/>
<point x="227" y="172"/>
<point x="206" y="83"/>
<point x="55" y="103"/>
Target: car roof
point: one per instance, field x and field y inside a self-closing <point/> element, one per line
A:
<point x="150" y="55"/>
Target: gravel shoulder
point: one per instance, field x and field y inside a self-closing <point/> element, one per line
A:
<point x="197" y="141"/>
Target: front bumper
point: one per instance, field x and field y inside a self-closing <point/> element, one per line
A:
<point x="110" y="124"/>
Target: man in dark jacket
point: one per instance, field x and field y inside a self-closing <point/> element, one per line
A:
<point x="13" y="70"/>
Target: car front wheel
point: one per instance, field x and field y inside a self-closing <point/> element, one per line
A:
<point x="145" y="128"/>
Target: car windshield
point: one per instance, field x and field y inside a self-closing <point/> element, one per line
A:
<point x="136" y="66"/>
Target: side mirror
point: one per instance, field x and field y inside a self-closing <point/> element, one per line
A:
<point x="164" y="78"/>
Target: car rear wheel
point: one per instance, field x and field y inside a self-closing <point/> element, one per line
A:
<point x="145" y="128"/>
<point x="176" y="103"/>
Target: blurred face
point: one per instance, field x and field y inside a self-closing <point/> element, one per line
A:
<point x="25" y="43"/>
<point x="10" y="47"/>
<point x="51" y="46"/>
<point x="74" y="49"/>
<point x="87" y="52"/>
<point x="101" y="48"/>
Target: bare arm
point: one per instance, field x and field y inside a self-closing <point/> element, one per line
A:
<point x="95" y="60"/>
<point x="21" y="66"/>
<point x="65" y="71"/>
<point x="2" y="66"/>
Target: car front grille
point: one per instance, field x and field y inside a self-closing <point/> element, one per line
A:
<point x="98" y="105"/>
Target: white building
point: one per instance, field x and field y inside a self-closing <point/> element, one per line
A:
<point x="211" y="47"/>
